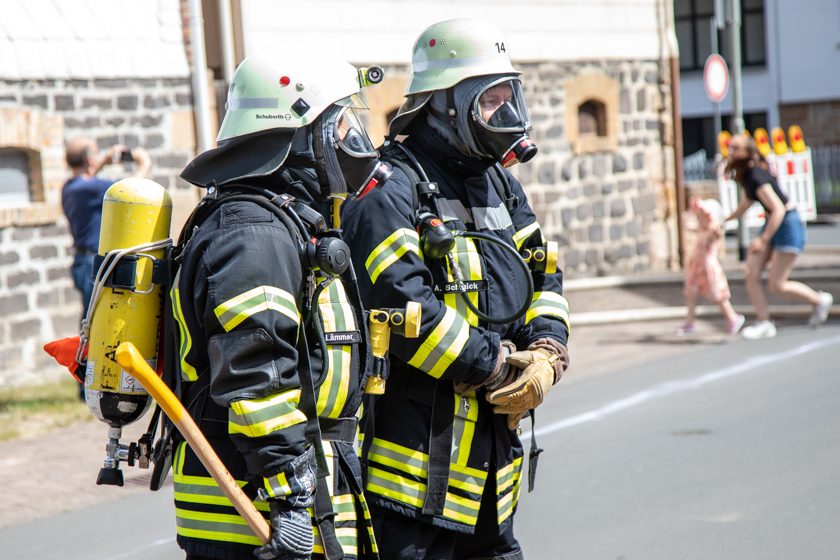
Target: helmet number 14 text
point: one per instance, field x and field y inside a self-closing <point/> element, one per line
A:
<point x="500" y="47"/>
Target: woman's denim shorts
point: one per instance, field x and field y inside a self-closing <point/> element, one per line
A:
<point x="790" y="237"/>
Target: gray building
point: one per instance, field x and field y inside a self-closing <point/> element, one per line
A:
<point x="791" y="68"/>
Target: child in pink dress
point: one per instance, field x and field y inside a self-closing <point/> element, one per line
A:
<point x="704" y="274"/>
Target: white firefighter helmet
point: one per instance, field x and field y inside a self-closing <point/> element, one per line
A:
<point x="450" y="51"/>
<point x="447" y="53"/>
<point x="274" y="93"/>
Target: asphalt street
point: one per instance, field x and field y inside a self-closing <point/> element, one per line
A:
<point x="731" y="452"/>
<point x="727" y="452"/>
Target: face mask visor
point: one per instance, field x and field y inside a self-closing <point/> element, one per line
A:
<point x="500" y="107"/>
<point x="350" y="136"/>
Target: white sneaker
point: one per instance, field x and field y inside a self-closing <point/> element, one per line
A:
<point x="759" y="329"/>
<point x="820" y="312"/>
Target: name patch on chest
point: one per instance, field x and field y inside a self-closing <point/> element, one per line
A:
<point x="339" y="338"/>
<point x="461" y="287"/>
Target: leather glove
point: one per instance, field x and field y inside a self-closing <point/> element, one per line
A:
<point x="291" y="534"/>
<point x="542" y="366"/>
<point x="501" y="373"/>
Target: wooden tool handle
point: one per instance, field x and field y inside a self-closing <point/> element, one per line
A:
<point x="130" y="359"/>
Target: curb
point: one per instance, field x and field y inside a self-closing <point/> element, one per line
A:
<point x="593" y="318"/>
<point x="666" y="278"/>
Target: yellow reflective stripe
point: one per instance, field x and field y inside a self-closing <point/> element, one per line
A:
<point x="260" y="417"/>
<point x="505" y="476"/>
<point x="185" y="340"/>
<point x="507" y="503"/>
<point x="402" y="458"/>
<point x="214" y="526"/>
<point x="415" y="463"/>
<point x="346" y="537"/>
<point x="390" y="250"/>
<point x="395" y="486"/>
<point x="277" y="486"/>
<point x="469" y="261"/>
<point x="523" y="234"/>
<point x="384" y="459"/>
<point x="407" y="491"/>
<point x="262" y="298"/>
<point x="463" y="429"/>
<point x="548" y="304"/>
<point x="443" y="345"/>
<point x="468" y="473"/>
<point x="337" y="315"/>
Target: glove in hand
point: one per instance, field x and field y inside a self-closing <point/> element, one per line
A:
<point x="502" y="373"/>
<point x="542" y="366"/>
<point x="291" y="534"/>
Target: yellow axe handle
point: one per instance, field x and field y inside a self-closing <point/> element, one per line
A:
<point x="132" y="361"/>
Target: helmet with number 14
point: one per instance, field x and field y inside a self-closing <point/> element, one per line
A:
<point x="461" y="71"/>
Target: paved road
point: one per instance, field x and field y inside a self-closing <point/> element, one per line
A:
<point x="730" y="451"/>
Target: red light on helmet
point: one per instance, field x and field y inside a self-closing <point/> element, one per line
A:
<point x="285" y="80"/>
<point x="432" y="42"/>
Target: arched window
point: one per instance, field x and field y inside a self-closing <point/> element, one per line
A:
<point x="592" y="118"/>
<point x="592" y="112"/>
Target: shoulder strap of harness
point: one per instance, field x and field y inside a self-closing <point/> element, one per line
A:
<point x="500" y="182"/>
<point x="424" y="194"/>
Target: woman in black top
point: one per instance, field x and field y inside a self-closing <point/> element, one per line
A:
<point x="782" y="238"/>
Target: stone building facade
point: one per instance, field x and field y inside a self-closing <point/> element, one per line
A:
<point x="607" y="199"/>
<point x="46" y="97"/>
<point x="606" y="195"/>
<point x="602" y="183"/>
<point x="37" y="299"/>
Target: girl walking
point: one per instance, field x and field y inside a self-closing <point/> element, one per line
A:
<point x="704" y="274"/>
<point x="781" y="240"/>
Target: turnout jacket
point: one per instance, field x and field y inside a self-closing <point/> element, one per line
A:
<point x="407" y="456"/>
<point x="240" y="299"/>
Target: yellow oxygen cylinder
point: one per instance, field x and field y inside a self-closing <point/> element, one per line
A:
<point x="134" y="212"/>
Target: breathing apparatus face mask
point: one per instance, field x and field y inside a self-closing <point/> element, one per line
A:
<point x="355" y="154"/>
<point x="344" y="150"/>
<point x="500" y="122"/>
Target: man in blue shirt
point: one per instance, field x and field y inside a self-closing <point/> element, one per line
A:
<point x="81" y="200"/>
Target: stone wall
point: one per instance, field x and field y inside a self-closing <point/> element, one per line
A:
<point x="609" y="201"/>
<point x="38" y="302"/>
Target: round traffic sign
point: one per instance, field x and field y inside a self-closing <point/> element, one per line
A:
<point x="716" y="78"/>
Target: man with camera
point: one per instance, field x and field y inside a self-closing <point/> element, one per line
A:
<point x="81" y="200"/>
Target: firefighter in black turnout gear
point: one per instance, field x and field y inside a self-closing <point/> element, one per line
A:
<point x="452" y="229"/>
<point x="272" y="344"/>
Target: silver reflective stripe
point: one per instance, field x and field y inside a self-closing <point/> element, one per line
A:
<point x="442" y="63"/>
<point x="484" y="217"/>
<point x="453" y="210"/>
<point x="237" y="103"/>
<point x="492" y="218"/>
